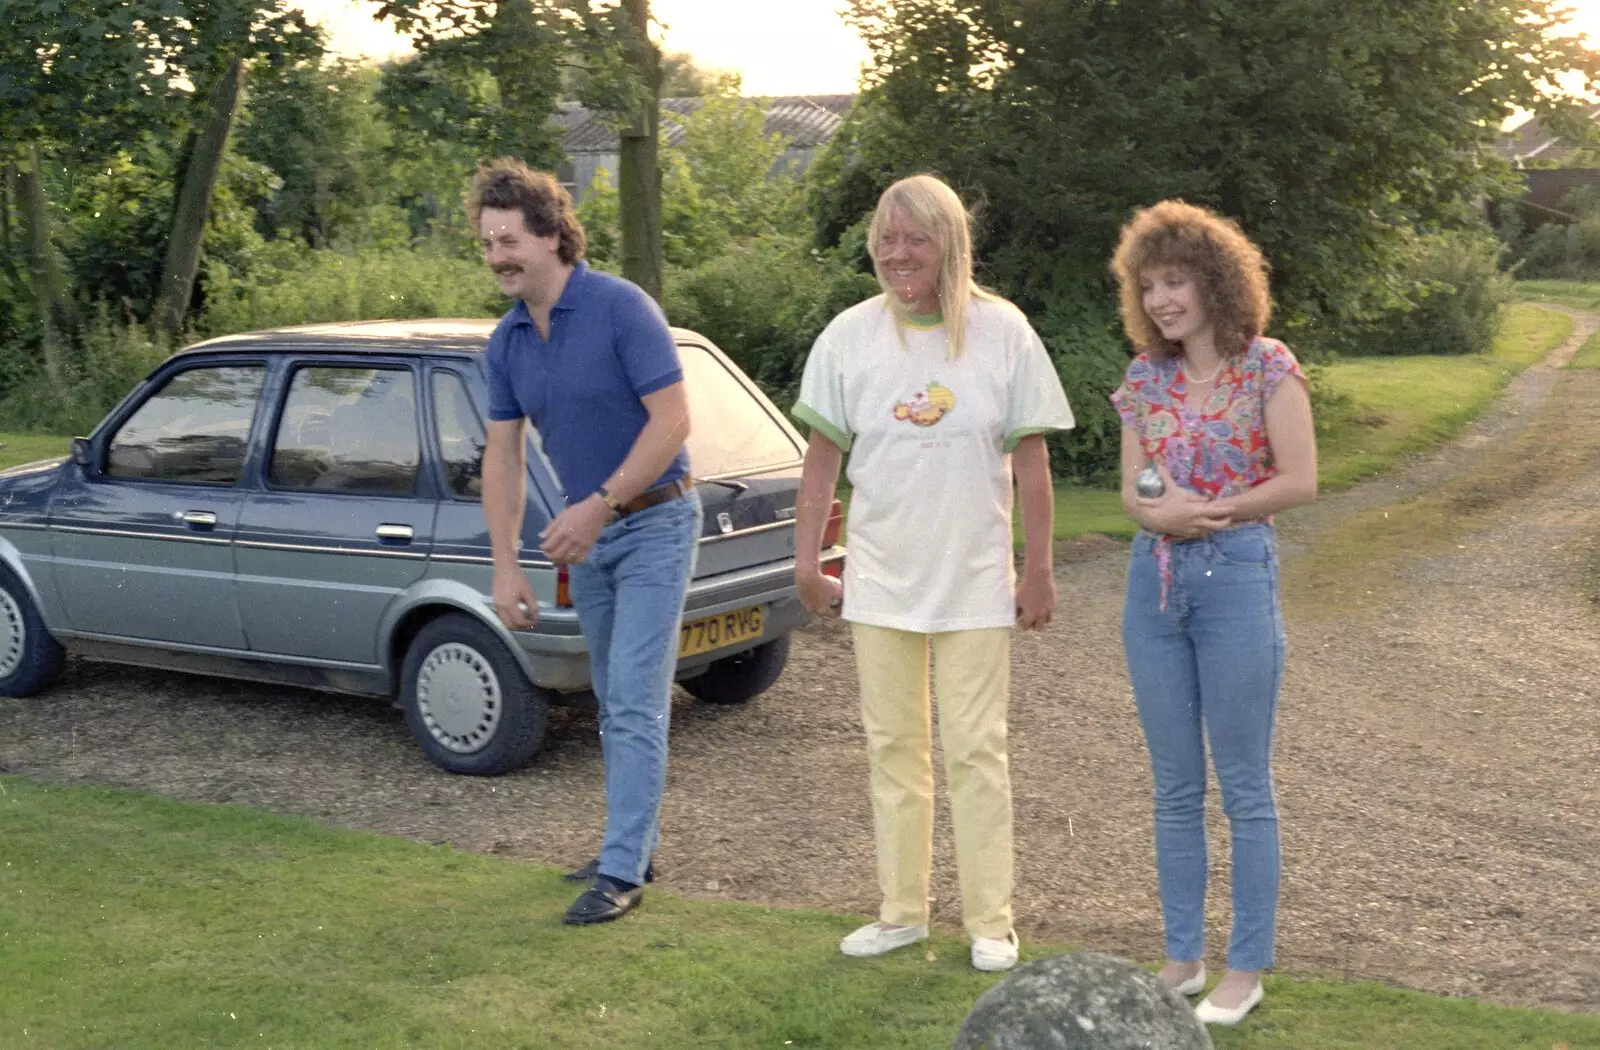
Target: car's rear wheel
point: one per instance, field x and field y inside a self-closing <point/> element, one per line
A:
<point x="743" y="676"/>
<point x="468" y="704"/>
<point x="30" y="658"/>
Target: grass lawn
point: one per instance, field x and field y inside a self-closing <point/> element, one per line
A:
<point x="25" y="448"/>
<point x="1579" y="295"/>
<point x="1588" y="355"/>
<point x="1403" y="405"/>
<point x="132" y="921"/>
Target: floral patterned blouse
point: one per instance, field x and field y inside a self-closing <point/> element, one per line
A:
<point x="1219" y="447"/>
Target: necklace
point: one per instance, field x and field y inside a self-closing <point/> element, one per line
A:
<point x="1202" y="382"/>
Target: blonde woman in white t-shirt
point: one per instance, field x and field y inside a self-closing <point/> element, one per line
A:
<point x="937" y="390"/>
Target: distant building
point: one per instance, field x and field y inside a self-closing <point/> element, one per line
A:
<point x="806" y="122"/>
<point x="1532" y="143"/>
<point x="1543" y="160"/>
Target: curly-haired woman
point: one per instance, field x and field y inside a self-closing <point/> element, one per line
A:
<point x="1205" y="402"/>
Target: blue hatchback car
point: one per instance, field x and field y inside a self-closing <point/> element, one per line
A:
<point x="301" y="506"/>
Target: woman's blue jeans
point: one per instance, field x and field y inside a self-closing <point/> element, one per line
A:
<point x="629" y="595"/>
<point x="1207" y="668"/>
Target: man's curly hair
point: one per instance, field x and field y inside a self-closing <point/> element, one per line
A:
<point x="546" y="206"/>
<point x="1229" y="269"/>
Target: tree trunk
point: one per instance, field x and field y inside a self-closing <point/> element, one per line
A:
<point x="49" y="289"/>
<point x="639" y="172"/>
<point x="194" y="206"/>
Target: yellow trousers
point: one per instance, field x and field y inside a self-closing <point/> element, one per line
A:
<point x="972" y="679"/>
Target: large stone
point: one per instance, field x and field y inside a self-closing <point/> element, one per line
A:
<point x="1085" y="1001"/>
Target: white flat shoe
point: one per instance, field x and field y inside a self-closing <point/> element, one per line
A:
<point x="1210" y="1013"/>
<point x="994" y="954"/>
<point x="1194" y="985"/>
<point x="876" y="938"/>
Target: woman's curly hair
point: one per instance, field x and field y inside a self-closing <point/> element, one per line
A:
<point x="1230" y="270"/>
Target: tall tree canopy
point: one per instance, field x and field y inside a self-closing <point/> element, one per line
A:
<point x="488" y="74"/>
<point x="1324" y="128"/>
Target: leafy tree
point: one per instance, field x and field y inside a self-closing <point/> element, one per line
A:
<point x="487" y="74"/>
<point x="1330" y="131"/>
<point x="683" y="77"/>
<point x="720" y="186"/>
<point x="220" y="38"/>
<point x="75" y="77"/>
<point x="317" y="125"/>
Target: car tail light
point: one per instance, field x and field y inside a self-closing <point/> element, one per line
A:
<point x="563" y="587"/>
<point x="835" y="525"/>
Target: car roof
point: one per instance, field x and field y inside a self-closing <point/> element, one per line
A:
<point x="379" y="337"/>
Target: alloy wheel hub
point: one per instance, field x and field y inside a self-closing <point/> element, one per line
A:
<point x="12" y="635"/>
<point x="458" y="696"/>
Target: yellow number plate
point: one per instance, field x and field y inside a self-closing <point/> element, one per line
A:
<point x="714" y="632"/>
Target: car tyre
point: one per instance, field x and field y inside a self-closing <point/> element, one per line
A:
<point x="30" y="657"/>
<point x="467" y="701"/>
<point x="742" y="676"/>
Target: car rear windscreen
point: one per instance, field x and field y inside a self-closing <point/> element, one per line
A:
<point x="730" y="431"/>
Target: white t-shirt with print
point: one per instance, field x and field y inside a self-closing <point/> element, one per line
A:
<point x="929" y="441"/>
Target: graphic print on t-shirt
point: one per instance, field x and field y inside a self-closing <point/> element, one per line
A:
<point x="926" y="407"/>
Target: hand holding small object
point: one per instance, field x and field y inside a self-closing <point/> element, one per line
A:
<point x="513" y="599"/>
<point x="1181" y="512"/>
<point x="1149" y="484"/>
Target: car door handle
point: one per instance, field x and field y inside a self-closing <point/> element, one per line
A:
<point x="402" y="533"/>
<point x="199" y="518"/>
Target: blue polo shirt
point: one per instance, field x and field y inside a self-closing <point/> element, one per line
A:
<point x="609" y="346"/>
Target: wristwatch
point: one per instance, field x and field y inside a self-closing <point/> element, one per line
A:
<point x="611" y="501"/>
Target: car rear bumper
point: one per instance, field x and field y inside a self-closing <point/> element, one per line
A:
<point x="559" y="658"/>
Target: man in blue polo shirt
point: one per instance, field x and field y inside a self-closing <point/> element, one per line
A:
<point x="589" y="360"/>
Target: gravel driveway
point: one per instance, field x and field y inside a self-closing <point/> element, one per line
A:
<point x="1436" y="764"/>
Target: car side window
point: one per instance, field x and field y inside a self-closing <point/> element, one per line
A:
<point x="348" y="429"/>
<point x="193" y="429"/>
<point x="461" y="435"/>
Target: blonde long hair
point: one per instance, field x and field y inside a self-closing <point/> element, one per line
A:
<point x="931" y="204"/>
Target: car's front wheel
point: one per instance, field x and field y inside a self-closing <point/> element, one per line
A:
<point x="468" y="704"/>
<point x="30" y="658"/>
<point x="742" y="676"/>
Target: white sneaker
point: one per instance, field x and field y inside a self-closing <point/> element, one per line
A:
<point x="1210" y="1013"/>
<point x="995" y="953"/>
<point x="876" y="938"/>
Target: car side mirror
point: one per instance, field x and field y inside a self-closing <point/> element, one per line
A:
<point x="82" y="455"/>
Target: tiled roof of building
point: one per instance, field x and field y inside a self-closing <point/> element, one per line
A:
<point x="807" y="121"/>
<point x="1532" y="140"/>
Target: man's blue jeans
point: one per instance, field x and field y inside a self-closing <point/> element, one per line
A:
<point x="629" y="594"/>
<point x="1207" y="668"/>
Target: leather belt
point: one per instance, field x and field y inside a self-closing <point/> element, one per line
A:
<point x="652" y="497"/>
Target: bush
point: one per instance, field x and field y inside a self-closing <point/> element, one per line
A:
<point x="290" y="284"/>
<point x="1571" y="252"/>
<point x="107" y="359"/>
<point x="764" y="303"/>
<point x="1450" y="290"/>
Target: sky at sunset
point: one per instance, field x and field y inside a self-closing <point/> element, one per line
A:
<point x="780" y="47"/>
